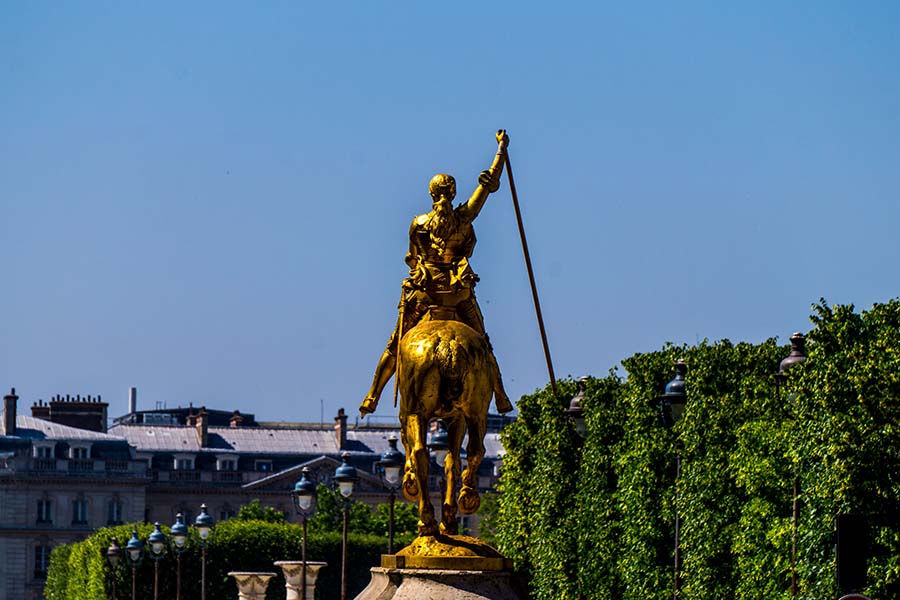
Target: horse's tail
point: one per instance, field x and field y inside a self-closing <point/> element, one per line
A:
<point x="453" y="362"/>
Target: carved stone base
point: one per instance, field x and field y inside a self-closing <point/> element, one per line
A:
<point x="417" y="584"/>
<point x="293" y="577"/>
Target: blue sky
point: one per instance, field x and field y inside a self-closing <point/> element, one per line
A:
<point x="210" y="201"/>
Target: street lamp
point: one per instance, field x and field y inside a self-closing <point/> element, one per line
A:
<point x="203" y="523"/>
<point x="576" y="408"/>
<point x="134" y="550"/>
<point x="389" y="467"/>
<point x="671" y="407"/>
<point x="796" y="356"/>
<point x="440" y="444"/>
<point x="304" y="497"/>
<point x="157" y="541"/>
<point x="113" y="554"/>
<point x="345" y="477"/>
<point x="179" y="533"/>
<point x="439" y="447"/>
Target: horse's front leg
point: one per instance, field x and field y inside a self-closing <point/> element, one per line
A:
<point x="456" y="431"/>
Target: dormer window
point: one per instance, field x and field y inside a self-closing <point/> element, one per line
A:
<point x="183" y="462"/>
<point x="43" y="450"/>
<point x="79" y="451"/>
<point x="226" y="463"/>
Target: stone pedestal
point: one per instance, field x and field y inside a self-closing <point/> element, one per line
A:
<point x="293" y="577"/>
<point x="417" y="584"/>
<point x="251" y="585"/>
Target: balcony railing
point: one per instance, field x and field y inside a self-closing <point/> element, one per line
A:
<point x="117" y="465"/>
<point x="184" y="476"/>
<point x="81" y="465"/>
<point x="45" y="464"/>
<point x="227" y="477"/>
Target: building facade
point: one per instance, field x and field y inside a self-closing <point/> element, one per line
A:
<point x="58" y="482"/>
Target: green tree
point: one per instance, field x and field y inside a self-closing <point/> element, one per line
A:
<point x="254" y="511"/>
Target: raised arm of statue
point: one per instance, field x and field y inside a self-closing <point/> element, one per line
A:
<point x="488" y="181"/>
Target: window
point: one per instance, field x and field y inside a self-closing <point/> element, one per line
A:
<point x="44" y="512"/>
<point x="79" y="452"/>
<point x="264" y="465"/>
<point x="79" y="511"/>
<point x="183" y="463"/>
<point x="227" y="464"/>
<point x="43" y="451"/>
<point x="226" y="513"/>
<point x="41" y="561"/>
<point x="114" y="512"/>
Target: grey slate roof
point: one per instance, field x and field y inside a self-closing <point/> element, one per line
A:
<point x="38" y="429"/>
<point x="264" y="440"/>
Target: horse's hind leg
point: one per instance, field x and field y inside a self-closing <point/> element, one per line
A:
<point x="415" y="428"/>
<point x="469" y="500"/>
<point x="410" y="485"/>
<point x="456" y="431"/>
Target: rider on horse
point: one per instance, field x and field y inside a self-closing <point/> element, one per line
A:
<point x="440" y="278"/>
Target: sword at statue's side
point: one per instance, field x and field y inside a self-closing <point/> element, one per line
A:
<point x="534" y="294"/>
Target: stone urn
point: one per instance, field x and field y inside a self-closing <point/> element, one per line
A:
<point x="251" y="586"/>
<point x="293" y="577"/>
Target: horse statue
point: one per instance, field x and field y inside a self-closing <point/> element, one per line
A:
<point x="445" y="372"/>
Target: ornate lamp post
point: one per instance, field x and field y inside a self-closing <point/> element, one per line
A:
<point x="671" y="407"/>
<point x="795" y="357"/>
<point x="576" y="410"/>
<point x="157" y="541"/>
<point x="134" y="550"/>
<point x="390" y="466"/>
<point x="439" y="447"/>
<point x="304" y="497"/>
<point x="345" y="477"/>
<point x="203" y="523"/>
<point x="179" y="535"/>
<point x="113" y="554"/>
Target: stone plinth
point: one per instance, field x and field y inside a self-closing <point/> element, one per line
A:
<point x="293" y="577"/>
<point x="251" y="585"/>
<point x="417" y="584"/>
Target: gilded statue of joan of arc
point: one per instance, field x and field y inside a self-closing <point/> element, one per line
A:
<point x="441" y="282"/>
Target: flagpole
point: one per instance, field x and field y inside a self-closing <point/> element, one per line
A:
<point x="534" y="293"/>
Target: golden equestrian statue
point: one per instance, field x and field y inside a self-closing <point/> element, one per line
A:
<point x="443" y="361"/>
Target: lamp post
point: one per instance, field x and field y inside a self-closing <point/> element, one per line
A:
<point x="157" y="541"/>
<point x="134" y="550"/>
<point x="113" y="554"/>
<point x="304" y="497"/>
<point x="439" y="447"/>
<point x="203" y="523"/>
<point x="390" y="467"/>
<point x="345" y="477"/>
<point x="179" y="533"/>
<point x="671" y="407"/>
<point x="576" y="408"/>
<point x="796" y="356"/>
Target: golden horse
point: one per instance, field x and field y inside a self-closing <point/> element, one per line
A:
<point x="444" y="373"/>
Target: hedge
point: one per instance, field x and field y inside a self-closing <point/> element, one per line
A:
<point x="594" y="518"/>
<point x="79" y="571"/>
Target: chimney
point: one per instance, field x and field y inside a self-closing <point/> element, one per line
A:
<point x="236" y="419"/>
<point x="202" y="427"/>
<point x="9" y="413"/>
<point x="132" y="400"/>
<point x="340" y="429"/>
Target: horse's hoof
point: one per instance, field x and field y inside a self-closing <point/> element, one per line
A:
<point x="411" y="488"/>
<point x="451" y="529"/>
<point x="429" y="529"/>
<point x="469" y="500"/>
